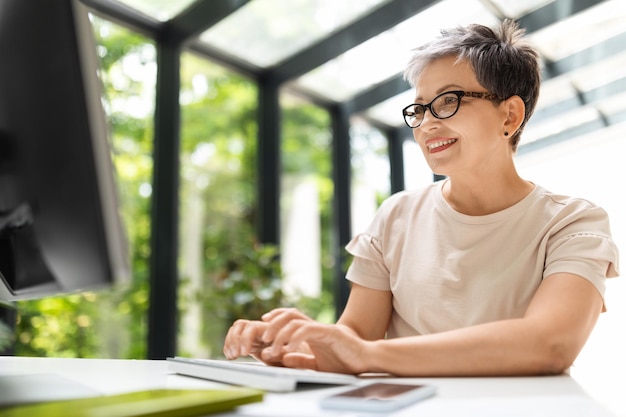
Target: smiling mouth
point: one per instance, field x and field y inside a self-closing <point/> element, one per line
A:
<point x="435" y="145"/>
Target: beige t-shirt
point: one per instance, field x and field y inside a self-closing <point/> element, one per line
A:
<point x="448" y="270"/>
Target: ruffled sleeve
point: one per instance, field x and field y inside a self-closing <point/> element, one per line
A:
<point x="593" y="257"/>
<point x="368" y="267"/>
<point x="584" y="247"/>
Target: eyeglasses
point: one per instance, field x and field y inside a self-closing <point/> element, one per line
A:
<point x="443" y="106"/>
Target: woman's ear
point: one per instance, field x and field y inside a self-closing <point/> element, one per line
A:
<point x="515" y="111"/>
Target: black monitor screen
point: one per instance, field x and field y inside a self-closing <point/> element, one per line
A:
<point x="60" y="230"/>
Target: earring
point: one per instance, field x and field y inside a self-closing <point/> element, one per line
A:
<point x="506" y="133"/>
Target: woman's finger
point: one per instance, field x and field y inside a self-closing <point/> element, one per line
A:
<point x="243" y="338"/>
<point x="277" y="320"/>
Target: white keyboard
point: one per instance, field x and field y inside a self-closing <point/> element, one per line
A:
<point x="255" y="374"/>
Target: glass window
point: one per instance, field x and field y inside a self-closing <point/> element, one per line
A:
<point x="306" y="207"/>
<point x="388" y="53"/>
<point x="417" y="173"/>
<point x="161" y="10"/>
<point x="559" y="123"/>
<point x="577" y="87"/>
<point x="371" y="182"/>
<point x="389" y="111"/>
<point x="516" y="8"/>
<point x="218" y="250"/>
<point x="580" y="31"/>
<point x="264" y="32"/>
<point x="585" y="78"/>
<point x="555" y="90"/>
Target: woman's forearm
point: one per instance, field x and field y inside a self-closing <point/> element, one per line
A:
<point x="545" y="341"/>
<point x="510" y="347"/>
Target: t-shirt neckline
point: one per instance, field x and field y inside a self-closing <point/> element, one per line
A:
<point x="501" y="215"/>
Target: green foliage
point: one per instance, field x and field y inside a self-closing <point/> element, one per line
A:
<point x="225" y="271"/>
<point x="306" y="150"/>
<point x="218" y="196"/>
<point x="52" y="325"/>
<point x="247" y="285"/>
<point x="306" y="139"/>
<point x="6" y="334"/>
<point x="237" y="277"/>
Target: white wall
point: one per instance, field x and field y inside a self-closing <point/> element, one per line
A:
<point x="594" y="167"/>
<point x="301" y="246"/>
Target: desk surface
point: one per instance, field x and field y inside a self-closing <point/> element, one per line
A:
<point x="553" y="396"/>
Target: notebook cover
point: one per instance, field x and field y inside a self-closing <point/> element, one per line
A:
<point x="157" y="403"/>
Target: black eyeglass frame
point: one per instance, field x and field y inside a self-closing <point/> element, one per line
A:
<point x="460" y="94"/>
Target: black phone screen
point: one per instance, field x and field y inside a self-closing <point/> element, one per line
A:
<point x="378" y="391"/>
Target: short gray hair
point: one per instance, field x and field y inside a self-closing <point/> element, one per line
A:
<point x="502" y="58"/>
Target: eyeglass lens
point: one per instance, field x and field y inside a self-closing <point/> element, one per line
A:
<point x="442" y="107"/>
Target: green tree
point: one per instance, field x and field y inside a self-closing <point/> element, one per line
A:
<point x="306" y="151"/>
<point x="218" y="200"/>
<point x="225" y="272"/>
<point x="236" y="277"/>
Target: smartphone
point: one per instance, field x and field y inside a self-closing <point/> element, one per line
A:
<point x="378" y="396"/>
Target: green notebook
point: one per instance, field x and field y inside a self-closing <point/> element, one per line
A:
<point x="158" y="403"/>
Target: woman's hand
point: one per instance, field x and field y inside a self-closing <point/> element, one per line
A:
<point x="244" y="338"/>
<point x="332" y="347"/>
<point x="256" y="338"/>
<point x="287" y="337"/>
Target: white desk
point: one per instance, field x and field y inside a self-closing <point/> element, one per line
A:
<point x="498" y="397"/>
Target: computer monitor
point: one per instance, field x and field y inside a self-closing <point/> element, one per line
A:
<point x="60" y="228"/>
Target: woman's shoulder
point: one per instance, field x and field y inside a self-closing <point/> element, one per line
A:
<point x="566" y="209"/>
<point x="560" y="202"/>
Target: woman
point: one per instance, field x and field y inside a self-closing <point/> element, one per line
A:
<point x="484" y="273"/>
